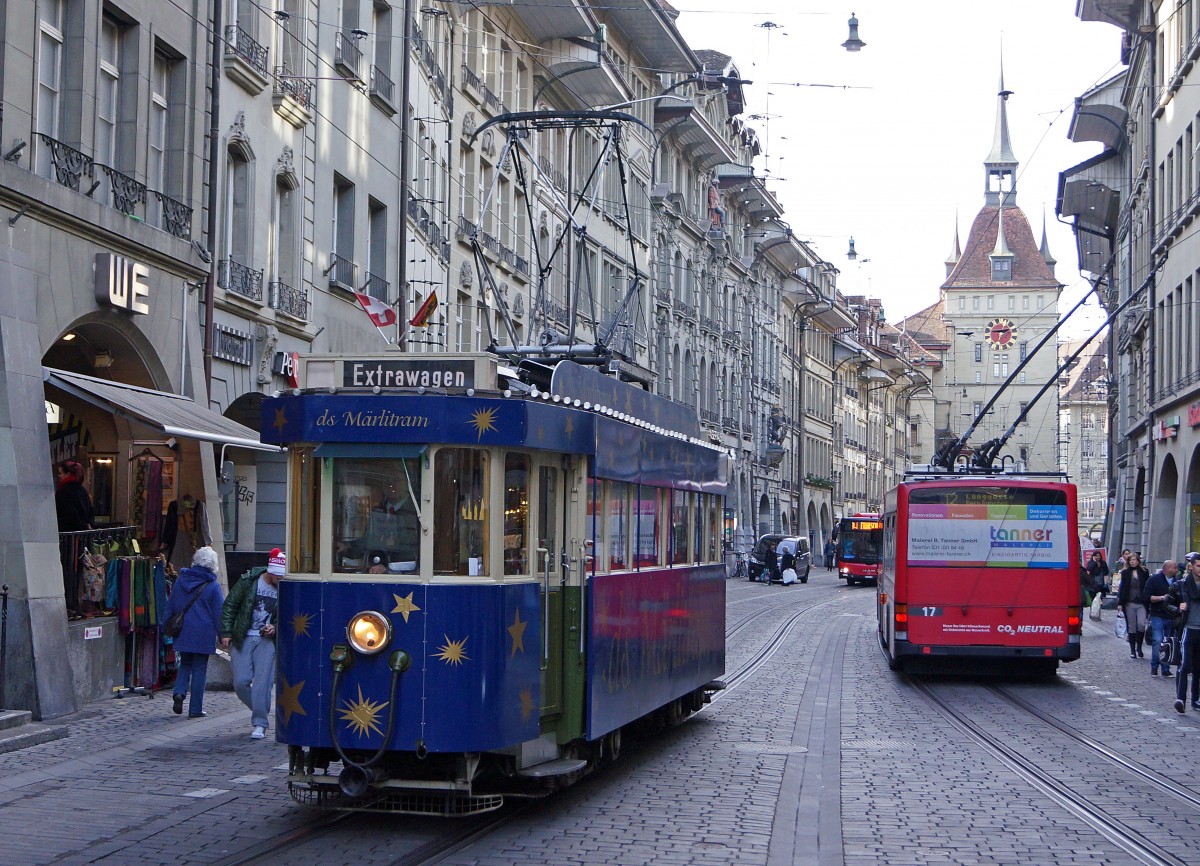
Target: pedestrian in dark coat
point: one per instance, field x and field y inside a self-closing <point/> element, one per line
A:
<point x="201" y="625"/>
<point x="71" y="500"/>
<point x="830" y="550"/>
<point x="1162" y="621"/>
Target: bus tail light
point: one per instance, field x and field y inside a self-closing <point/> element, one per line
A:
<point x="1074" y="621"/>
<point x="901" y="614"/>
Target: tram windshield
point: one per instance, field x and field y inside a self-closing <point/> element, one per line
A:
<point x="375" y="525"/>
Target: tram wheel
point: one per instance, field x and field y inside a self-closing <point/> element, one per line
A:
<point x="612" y="745"/>
<point x="675" y="713"/>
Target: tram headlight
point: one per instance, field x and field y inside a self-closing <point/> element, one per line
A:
<point x="369" y="632"/>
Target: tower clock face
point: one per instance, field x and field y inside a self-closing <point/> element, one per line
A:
<point x="1002" y="334"/>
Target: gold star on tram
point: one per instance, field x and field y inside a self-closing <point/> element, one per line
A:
<point x="362" y="716"/>
<point x="289" y="699"/>
<point x="569" y="427"/>
<point x="483" y="421"/>
<point x="453" y="652"/>
<point x="404" y="606"/>
<point x="300" y="624"/>
<point x="517" y="630"/>
<point x="280" y="419"/>
<point x="526" y="703"/>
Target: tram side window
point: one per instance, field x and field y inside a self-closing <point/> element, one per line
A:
<point x="649" y="505"/>
<point x="699" y="516"/>
<point x="305" y="548"/>
<point x="460" y="502"/>
<point x="679" y="527"/>
<point x="596" y="551"/>
<point x="548" y="520"/>
<point x="618" y="526"/>
<point x="516" y="514"/>
<point x="712" y="505"/>
<point x="375" y="525"/>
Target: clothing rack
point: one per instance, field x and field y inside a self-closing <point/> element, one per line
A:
<point x="72" y="546"/>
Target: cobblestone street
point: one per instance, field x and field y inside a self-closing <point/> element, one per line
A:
<point x="818" y="755"/>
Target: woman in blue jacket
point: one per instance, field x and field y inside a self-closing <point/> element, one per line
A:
<point x="198" y="638"/>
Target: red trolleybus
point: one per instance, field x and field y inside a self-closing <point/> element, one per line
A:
<point x="980" y="566"/>
<point x="859" y="544"/>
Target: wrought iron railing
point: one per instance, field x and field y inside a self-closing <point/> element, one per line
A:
<point x="127" y="194"/>
<point x="347" y="54"/>
<point x="290" y="300"/>
<point x="555" y="176"/>
<point x="382" y="86"/>
<point x="377" y="287"/>
<point x="557" y="312"/>
<point x="68" y="164"/>
<point x="342" y="272"/>
<point x="709" y="417"/>
<point x="288" y="84"/>
<point x="470" y="78"/>
<point x="429" y="60"/>
<point x="174" y="216"/>
<point x="240" y="279"/>
<point x="239" y="43"/>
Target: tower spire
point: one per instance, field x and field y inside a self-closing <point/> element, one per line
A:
<point x="956" y="253"/>
<point x="1045" y="247"/>
<point x="1001" y="166"/>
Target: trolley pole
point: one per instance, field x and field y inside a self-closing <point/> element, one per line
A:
<point x="3" y="640"/>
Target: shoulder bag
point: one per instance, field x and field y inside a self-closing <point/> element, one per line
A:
<point x="174" y="624"/>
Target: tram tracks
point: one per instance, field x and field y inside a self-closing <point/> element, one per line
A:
<point x="1141" y="847"/>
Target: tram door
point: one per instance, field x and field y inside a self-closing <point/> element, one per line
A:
<point x="551" y="533"/>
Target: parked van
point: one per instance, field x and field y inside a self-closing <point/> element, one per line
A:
<point x="777" y="542"/>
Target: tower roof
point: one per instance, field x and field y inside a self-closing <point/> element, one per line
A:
<point x="974" y="269"/>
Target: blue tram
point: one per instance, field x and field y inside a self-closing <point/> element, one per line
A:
<point x="488" y="579"/>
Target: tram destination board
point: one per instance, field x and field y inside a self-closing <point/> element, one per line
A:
<point x="409" y="373"/>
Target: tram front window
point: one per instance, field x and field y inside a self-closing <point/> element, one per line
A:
<point x="375" y="525"/>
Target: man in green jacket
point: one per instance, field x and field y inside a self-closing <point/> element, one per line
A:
<point x="248" y="623"/>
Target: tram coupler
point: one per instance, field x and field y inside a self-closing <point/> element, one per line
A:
<point x="712" y="687"/>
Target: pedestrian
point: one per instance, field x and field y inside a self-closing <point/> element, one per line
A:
<point x="1186" y="594"/>
<point x="71" y="499"/>
<point x="771" y="566"/>
<point x="248" y="623"/>
<point x="1100" y="585"/>
<point x="1162" y="621"/>
<point x="830" y="550"/>
<point x="1129" y="597"/>
<point x="786" y="561"/>
<point x="198" y="594"/>
<point x="1123" y="559"/>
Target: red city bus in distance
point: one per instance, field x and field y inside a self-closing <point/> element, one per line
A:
<point x="859" y="545"/>
<point x="980" y="566"/>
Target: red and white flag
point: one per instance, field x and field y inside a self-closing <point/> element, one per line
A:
<point x="380" y="312"/>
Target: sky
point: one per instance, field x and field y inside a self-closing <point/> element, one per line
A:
<point x="893" y="153"/>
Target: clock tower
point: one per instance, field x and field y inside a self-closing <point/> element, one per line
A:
<point x="999" y="300"/>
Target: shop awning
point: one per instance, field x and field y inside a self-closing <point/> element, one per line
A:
<point x="173" y="414"/>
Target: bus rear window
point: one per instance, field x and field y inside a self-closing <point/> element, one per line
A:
<point x="996" y="527"/>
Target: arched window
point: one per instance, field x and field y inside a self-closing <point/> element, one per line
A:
<point x="239" y="203"/>
<point x="285" y="236"/>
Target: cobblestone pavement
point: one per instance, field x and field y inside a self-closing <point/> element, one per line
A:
<point x="820" y="756"/>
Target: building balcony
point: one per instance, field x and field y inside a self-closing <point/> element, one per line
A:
<point x="245" y="61"/>
<point x="294" y="302"/>
<point x="377" y="287"/>
<point x="382" y="91"/>
<point x="343" y="273"/>
<point x="240" y="279"/>
<point x="292" y="97"/>
<point x="347" y="56"/>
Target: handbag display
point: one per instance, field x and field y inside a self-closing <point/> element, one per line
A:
<point x="174" y="625"/>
